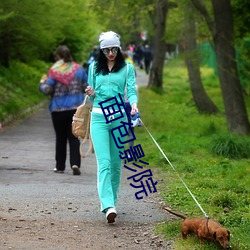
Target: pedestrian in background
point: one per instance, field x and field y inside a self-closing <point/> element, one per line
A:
<point x="108" y="77"/>
<point x="92" y="57"/>
<point x="65" y="84"/>
<point x="138" y="55"/>
<point x="147" y="54"/>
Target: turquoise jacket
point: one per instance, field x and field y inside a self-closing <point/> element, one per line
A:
<point x="113" y="84"/>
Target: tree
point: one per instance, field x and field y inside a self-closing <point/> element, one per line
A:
<point x="128" y="18"/>
<point x="28" y="33"/>
<point x="223" y="38"/>
<point x="23" y="33"/>
<point x="201" y="99"/>
<point x="159" y="46"/>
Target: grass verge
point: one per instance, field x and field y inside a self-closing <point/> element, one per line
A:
<point x="214" y="164"/>
<point x="19" y="89"/>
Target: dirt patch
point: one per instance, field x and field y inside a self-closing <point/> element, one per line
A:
<point x="17" y="233"/>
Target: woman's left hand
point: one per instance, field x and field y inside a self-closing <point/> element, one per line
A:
<point x="134" y="109"/>
<point x="90" y="91"/>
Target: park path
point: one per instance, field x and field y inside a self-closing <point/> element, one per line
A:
<point x="43" y="210"/>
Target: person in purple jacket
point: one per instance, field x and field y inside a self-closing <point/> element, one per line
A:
<point x="65" y="83"/>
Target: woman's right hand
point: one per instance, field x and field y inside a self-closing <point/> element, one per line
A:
<point x="90" y="91"/>
<point x="134" y="109"/>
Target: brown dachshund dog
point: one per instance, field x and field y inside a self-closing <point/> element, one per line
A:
<point x="204" y="229"/>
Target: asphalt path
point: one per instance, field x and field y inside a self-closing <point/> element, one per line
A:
<point x="29" y="188"/>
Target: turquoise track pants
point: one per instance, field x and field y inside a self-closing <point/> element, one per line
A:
<point x="107" y="153"/>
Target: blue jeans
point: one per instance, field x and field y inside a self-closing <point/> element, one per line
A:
<point x="108" y="161"/>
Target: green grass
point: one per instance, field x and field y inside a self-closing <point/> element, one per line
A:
<point x="214" y="164"/>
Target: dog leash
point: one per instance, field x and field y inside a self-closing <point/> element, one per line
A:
<point x="175" y="170"/>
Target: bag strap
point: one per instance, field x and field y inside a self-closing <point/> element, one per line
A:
<point x="83" y="142"/>
<point x="92" y="73"/>
<point x="91" y="148"/>
<point x="93" y="70"/>
<point x="126" y="85"/>
<point x="85" y="99"/>
<point x="127" y="73"/>
<point x="87" y="137"/>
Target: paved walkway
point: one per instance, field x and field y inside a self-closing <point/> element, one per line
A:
<point x="29" y="188"/>
<point x="141" y="78"/>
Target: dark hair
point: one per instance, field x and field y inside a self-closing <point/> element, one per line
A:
<point x="102" y="67"/>
<point x="64" y="53"/>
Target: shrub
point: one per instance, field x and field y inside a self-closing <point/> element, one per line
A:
<point x="231" y="146"/>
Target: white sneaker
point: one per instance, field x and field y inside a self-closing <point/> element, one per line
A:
<point x="58" y="171"/>
<point x="111" y="214"/>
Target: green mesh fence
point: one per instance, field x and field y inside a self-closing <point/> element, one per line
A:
<point x="207" y="55"/>
<point x="208" y="58"/>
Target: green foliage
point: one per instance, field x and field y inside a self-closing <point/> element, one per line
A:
<point x="128" y="18"/>
<point x="175" y="25"/>
<point x="219" y="183"/>
<point x="175" y="28"/>
<point x="243" y="59"/>
<point x="241" y="17"/>
<point x="29" y="33"/>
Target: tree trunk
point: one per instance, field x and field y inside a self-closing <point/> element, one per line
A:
<point x="159" y="47"/>
<point x="223" y="38"/>
<point x="235" y="109"/>
<point x="201" y="99"/>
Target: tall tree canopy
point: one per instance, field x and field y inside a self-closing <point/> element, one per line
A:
<point x="27" y="32"/>
<point x="127" y="17"/>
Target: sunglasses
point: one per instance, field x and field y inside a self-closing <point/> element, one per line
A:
<point x="106" y="51"/>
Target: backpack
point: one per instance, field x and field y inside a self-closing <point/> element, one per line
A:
<point x="81" y="126"/>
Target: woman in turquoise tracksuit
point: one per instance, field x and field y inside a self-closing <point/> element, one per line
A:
<point x="108" y="77"/>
